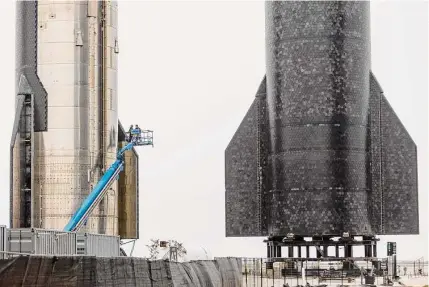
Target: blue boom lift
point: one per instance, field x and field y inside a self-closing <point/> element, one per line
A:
<point x="135" y="137"/>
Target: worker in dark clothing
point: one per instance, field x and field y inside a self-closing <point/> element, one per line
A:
<point x="130" y="131"/>
<point x="138" y="132"/>
<point x="135" y="134"/>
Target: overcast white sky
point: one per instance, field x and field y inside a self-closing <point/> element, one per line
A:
<point x="189" y="71"/>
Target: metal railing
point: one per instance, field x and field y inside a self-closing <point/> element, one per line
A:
<point x="261" y="272"/>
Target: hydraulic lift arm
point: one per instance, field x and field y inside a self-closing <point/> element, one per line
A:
<point x="97" y="194"/>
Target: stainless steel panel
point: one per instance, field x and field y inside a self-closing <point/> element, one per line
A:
<point x="110" y="113"/>
<point x="80" y="100"/>
<point x="61" y="142"/>
<point x="55" y="53"/>
<point x="94" y="55"/>
<point x="52" y="30"/>
<point x="50" y="242"/>
<point x="66" y="119"/>
<point x="99" y="245"/>
<point x="58" y="74"/>
<point x="59" y="10"/>
<point x="41" y="241"/>
<point x="20" y="240"/>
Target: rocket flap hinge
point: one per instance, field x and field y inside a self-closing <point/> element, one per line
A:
<point x="79" y="40"/>
<point x="116" y="46"/>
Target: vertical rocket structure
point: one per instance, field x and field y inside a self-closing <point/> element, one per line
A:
<point x="320" y="151"/>
<point x="66" y="130"/>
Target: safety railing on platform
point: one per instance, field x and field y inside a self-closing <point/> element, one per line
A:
<point x="263" y="272"/>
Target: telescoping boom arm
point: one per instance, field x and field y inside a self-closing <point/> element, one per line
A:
<point x="97" y="194"/>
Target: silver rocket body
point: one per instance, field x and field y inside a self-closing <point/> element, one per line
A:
<point x="67" y="55"/>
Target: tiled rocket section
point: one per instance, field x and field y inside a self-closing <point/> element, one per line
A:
<point x="320" y="151"/>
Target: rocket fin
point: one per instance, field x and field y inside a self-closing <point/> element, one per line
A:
<point x="245" y="158"/>
<point x="394" y="198"/>
<point x="29" y="83"/>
